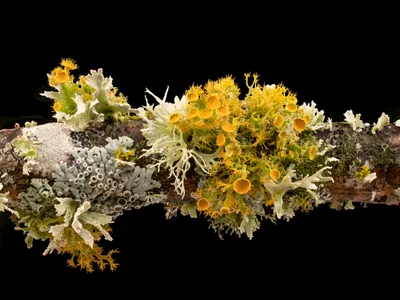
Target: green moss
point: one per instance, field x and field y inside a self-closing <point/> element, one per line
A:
<point x="308" y="167"/>
<point x="383" y="158"/>
<point x="346" y="151"/>
<point x="381" y="155"/>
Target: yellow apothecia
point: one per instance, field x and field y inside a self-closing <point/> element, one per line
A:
<point x="254" y="142"/>
<point x="69" y="64"/>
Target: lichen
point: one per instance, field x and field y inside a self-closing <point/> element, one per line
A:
<point x="109" y="183"/>
<point x="86" y="193"/>
<point x="383" y="121"/>
<point x="89" y="100"/>
<point x="355" y="121"/>
<point x="244" y="160"/>
<point x="362" y="173"/>
<point x="165" y="138"/>
<point x="26" y="146"/>
<point x="3" y="200"/>
<point x="241" y="149"/>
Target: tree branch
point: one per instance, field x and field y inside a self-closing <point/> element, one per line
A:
<point x="382" y="150"/>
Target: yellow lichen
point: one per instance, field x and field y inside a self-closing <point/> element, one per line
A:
<point x="57" y="106"/>
<point x="194" y="93"/>
<point x="291" y="107"/>
<point x="242" y="186"/>
<point x="212" y="102"/>
<point x="69" y="64"/>
<point x="82" y="255"/>
<point x="174" y="118"/>
<point x="227" y="127"/>
<point x="312" y="152"/>
<point x="221" y="139"/>
<point x="299" y="124"/>
<point x="215" y="214"/>
<point x="275" y="174"/>
<point x="206" y="114"/>
<point x="194" y="112"/>
<point x="283" y="135"/>
<point x="203" y="204"/>
<point x="125" y="155"/>
<point x="222" y="111"/>
<point x="278" y="121"/>
<point x="362" y="173"/>
<point x="224" y="210"/>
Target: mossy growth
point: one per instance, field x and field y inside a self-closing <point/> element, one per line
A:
<point x="382" y="155"/>
<point x="345" y="142"/>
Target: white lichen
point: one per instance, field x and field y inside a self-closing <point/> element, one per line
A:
<point x="317" y="117"/>
<point x="277" y="190"/>
<point x="91" y="111"/>
<point x="4" y="200"/>
<point x="370" y="177"/>
<point x="349" y="205"/>
<point x="249" y="225"/>
<point x="74" y="216"/>
<point x="166" y="139"/>
<point x="331" y="159"/>
<point x="373" y="196"/>
<point x="354" y="121"/>
<point x="383" y="121"/>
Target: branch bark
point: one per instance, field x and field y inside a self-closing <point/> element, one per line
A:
<point x="380" y="150"/>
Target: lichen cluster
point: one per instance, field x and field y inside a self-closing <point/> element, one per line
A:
<point x="85" y="195"/>
<point x="86" y="101"/>
<point x="247" y="150"/>
<point x="256" y="156"/>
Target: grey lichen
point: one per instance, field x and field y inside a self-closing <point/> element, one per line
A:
<point x="96" y="183"/>
<point x="8" y="162"/>
<point x="98" y="176"/>
<point x="36" y="198"/>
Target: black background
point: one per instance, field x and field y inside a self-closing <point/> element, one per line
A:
<point x="338" y="56"/>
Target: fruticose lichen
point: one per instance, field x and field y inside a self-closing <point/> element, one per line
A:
<point x="247" y="151"/>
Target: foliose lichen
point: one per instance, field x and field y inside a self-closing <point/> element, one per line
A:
<point x="85" y="195"/>
<point x="26" y="147"/>
<point x="89" y="100"/>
